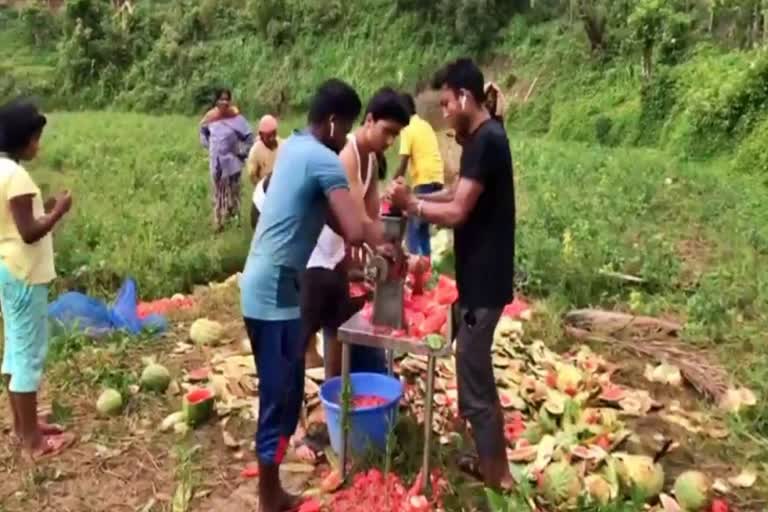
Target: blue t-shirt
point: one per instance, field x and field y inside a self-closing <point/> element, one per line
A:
<point x="295" y="211"/>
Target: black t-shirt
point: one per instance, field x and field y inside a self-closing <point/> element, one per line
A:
<point x="485" y="243"/>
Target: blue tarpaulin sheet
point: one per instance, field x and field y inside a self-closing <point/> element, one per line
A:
<point x="78" y="312"/>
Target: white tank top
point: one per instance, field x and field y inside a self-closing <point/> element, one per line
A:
<point x="258" y="195"/>
<point x="330" y="251"/>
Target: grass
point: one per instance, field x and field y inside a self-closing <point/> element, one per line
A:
<point x="142" y="204"/>
<point x="696" y="233"/>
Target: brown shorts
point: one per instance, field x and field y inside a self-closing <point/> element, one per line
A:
<point x="325" y="301"/>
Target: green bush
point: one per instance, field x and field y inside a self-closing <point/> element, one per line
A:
<point x="752" y="155"/>
<point x="657" y="98"/>
<point x="40" y="26"/>
<point x="603" y="126"/>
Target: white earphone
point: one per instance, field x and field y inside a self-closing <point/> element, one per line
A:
<point x="333" y="128"/>
<point x="463" y="101"/>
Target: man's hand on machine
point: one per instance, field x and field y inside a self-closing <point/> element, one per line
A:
<point x="400" y="195"/>
<point x="389" y="251"/>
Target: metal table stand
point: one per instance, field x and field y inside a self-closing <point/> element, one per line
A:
<point x="358" y="331"/>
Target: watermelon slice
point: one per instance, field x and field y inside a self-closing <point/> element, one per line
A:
<point x="516" y="308"/>
<point x="358" y="290"/>
<point x="198" y="406"/>
<point x="198" y="375"/>
<point x="612" y="393"/>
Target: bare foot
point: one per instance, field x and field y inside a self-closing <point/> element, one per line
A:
<point x="45" y="428"/>
<point x="305" y="454"/>
<point x="300" y="449"/>
<point x="52" y="445"/>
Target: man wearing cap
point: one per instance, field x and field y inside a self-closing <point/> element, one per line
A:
<point x="261" y="160"/>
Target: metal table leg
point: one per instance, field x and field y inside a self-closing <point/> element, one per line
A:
<point x="429" y="405"/>
<point x="391" y="362"/>
<point x="345" y="363"/>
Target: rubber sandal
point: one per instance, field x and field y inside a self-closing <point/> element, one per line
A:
<point x="470" y="465"/>
<point x="50" y="429"/>
<point x="53" y="446"/>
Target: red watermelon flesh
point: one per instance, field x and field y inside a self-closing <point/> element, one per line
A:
<point x="199" y="395"/>
<point x="198" y="374"/>
<point x="163" y="306"/>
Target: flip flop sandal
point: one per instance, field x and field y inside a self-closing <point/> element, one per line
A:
<point x="53" y="446"/>
<point x="46" y="429"/>
<point x="50" y="429"/>
<point x="470" y="465"/>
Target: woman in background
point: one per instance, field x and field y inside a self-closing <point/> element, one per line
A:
<point x="228" y="137"/>
<point x="26" y="270"/>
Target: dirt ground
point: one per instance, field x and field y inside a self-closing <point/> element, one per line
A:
<point x="126" y="463"/>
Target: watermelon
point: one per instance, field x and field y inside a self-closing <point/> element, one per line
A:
<point x="446" y="297"/>
<point x="517" y="308"/>
<point x="206" y="332"/>
<point x="155" y="377"/>
<point x="164" y="306"/>
<point x="198" y="406"/>
<point x="611" y="393"/>
<point x="201" y="374"/>
<point x="358" y="290"/>
<point x="110" y="403"/>
<point x="434" y="323"/>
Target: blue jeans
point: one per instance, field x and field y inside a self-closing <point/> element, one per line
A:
<point x="278" y="349"/>
<point x="418" y="230"/>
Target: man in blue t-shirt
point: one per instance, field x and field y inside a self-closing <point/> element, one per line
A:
<point x="308" y="189"/>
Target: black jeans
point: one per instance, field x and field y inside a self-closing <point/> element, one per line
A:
<point x="478" y="396"/>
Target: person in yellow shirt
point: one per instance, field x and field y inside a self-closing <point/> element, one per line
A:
<point x="261" y="161"/>
<point x="420" y="156"/>
<point x="26" y="269"/>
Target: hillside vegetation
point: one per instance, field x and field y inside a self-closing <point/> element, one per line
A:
<point x="638" y="128"/>
<point x="684" y="75"/>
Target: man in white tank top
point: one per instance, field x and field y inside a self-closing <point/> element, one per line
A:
<point x="325" y="300"/>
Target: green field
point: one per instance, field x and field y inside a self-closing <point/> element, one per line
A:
<point x="657" y="173"/>
<point x="691" y="231"/>
<point x="695" y="233"/>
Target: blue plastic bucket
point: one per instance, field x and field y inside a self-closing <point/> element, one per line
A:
<point x="370" y="426"/>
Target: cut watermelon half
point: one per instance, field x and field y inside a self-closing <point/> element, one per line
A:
<point x="198" y="375"/>
<point x="198" y="406"/>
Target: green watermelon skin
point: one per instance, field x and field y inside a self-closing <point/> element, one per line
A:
<point x="198" y="406"/>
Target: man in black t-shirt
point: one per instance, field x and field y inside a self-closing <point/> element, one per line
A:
<point x="481" y="209"/>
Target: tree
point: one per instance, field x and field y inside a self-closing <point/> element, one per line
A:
<point x="595" y="20"/>
<point x="650" y="21"/>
